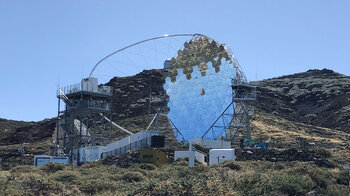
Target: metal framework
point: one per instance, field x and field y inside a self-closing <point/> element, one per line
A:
<point x="231" y="122"/>
<point x="242" y="96"/>
<point x="82" y="122"/>
<point x="178" y="133"/>
<point x="194" y="35"/>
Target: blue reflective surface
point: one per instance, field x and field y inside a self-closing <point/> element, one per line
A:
<point x="196" y="103"/>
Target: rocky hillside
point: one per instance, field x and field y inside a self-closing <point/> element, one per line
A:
<point x="316" y="97"/>
<point x="132" y="94"/>
<point x="36" y="137"/>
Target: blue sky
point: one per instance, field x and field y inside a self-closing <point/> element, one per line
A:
<point x="46" y="43"/>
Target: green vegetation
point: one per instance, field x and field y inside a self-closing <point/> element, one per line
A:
<point x="228" y="178"/>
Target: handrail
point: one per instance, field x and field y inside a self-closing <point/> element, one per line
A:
<point x="73" y="88"/>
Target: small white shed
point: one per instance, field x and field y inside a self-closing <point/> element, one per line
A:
<point x="220" y="155"/>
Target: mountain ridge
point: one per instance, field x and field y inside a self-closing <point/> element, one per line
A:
<point x="319" y="97"/>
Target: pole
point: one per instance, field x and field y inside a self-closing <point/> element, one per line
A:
<point x="57" y="126"/>
<point x="81" y="121"/>
<point x="190" y="155"/>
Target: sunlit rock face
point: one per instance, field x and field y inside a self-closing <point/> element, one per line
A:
<point x="199" y="89"/>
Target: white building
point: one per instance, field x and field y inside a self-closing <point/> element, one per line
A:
<point x="220" y="155"/>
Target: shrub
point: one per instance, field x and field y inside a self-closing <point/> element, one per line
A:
<point x="292" y="184"/>
<point x="91" y="164"/>
<point x="323" y="152"/>
<point x="95" y="186"/>
<point x="52" y="167"/>
<point x="279" y="166"/>
<point x="144" y="187"/>
<point x="24" y="169"/>
<point x="133" y="177"/>
<point x="115" y="177"/>
<point x="36" y="183"/>
<point x="181" y="162"/>
<point x="317" y="178"/>
<point x="343" y="178"/>
<point x="147" y="166"/>
<point x="65" y="176"/>
<point x="248" y="182"/>
<point x="232" y="165"/>
<point x="336" y="191"/>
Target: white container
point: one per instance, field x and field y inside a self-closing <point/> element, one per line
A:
<point x="63" y="160"/>
<point x="90" y="84"/>
<point x="220" y="155"/>
<point x="40" y="160"/>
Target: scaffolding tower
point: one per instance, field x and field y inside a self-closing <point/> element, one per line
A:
<point x="243" y="95"/>
<point x="82" y="122"/>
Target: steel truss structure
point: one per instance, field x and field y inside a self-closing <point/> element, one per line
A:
<point x="82" y="122"/>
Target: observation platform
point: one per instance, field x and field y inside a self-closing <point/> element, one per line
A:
<point x="86" y="95"/>
<point x="244" y="92"/>
<point x="76" y="89"/>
